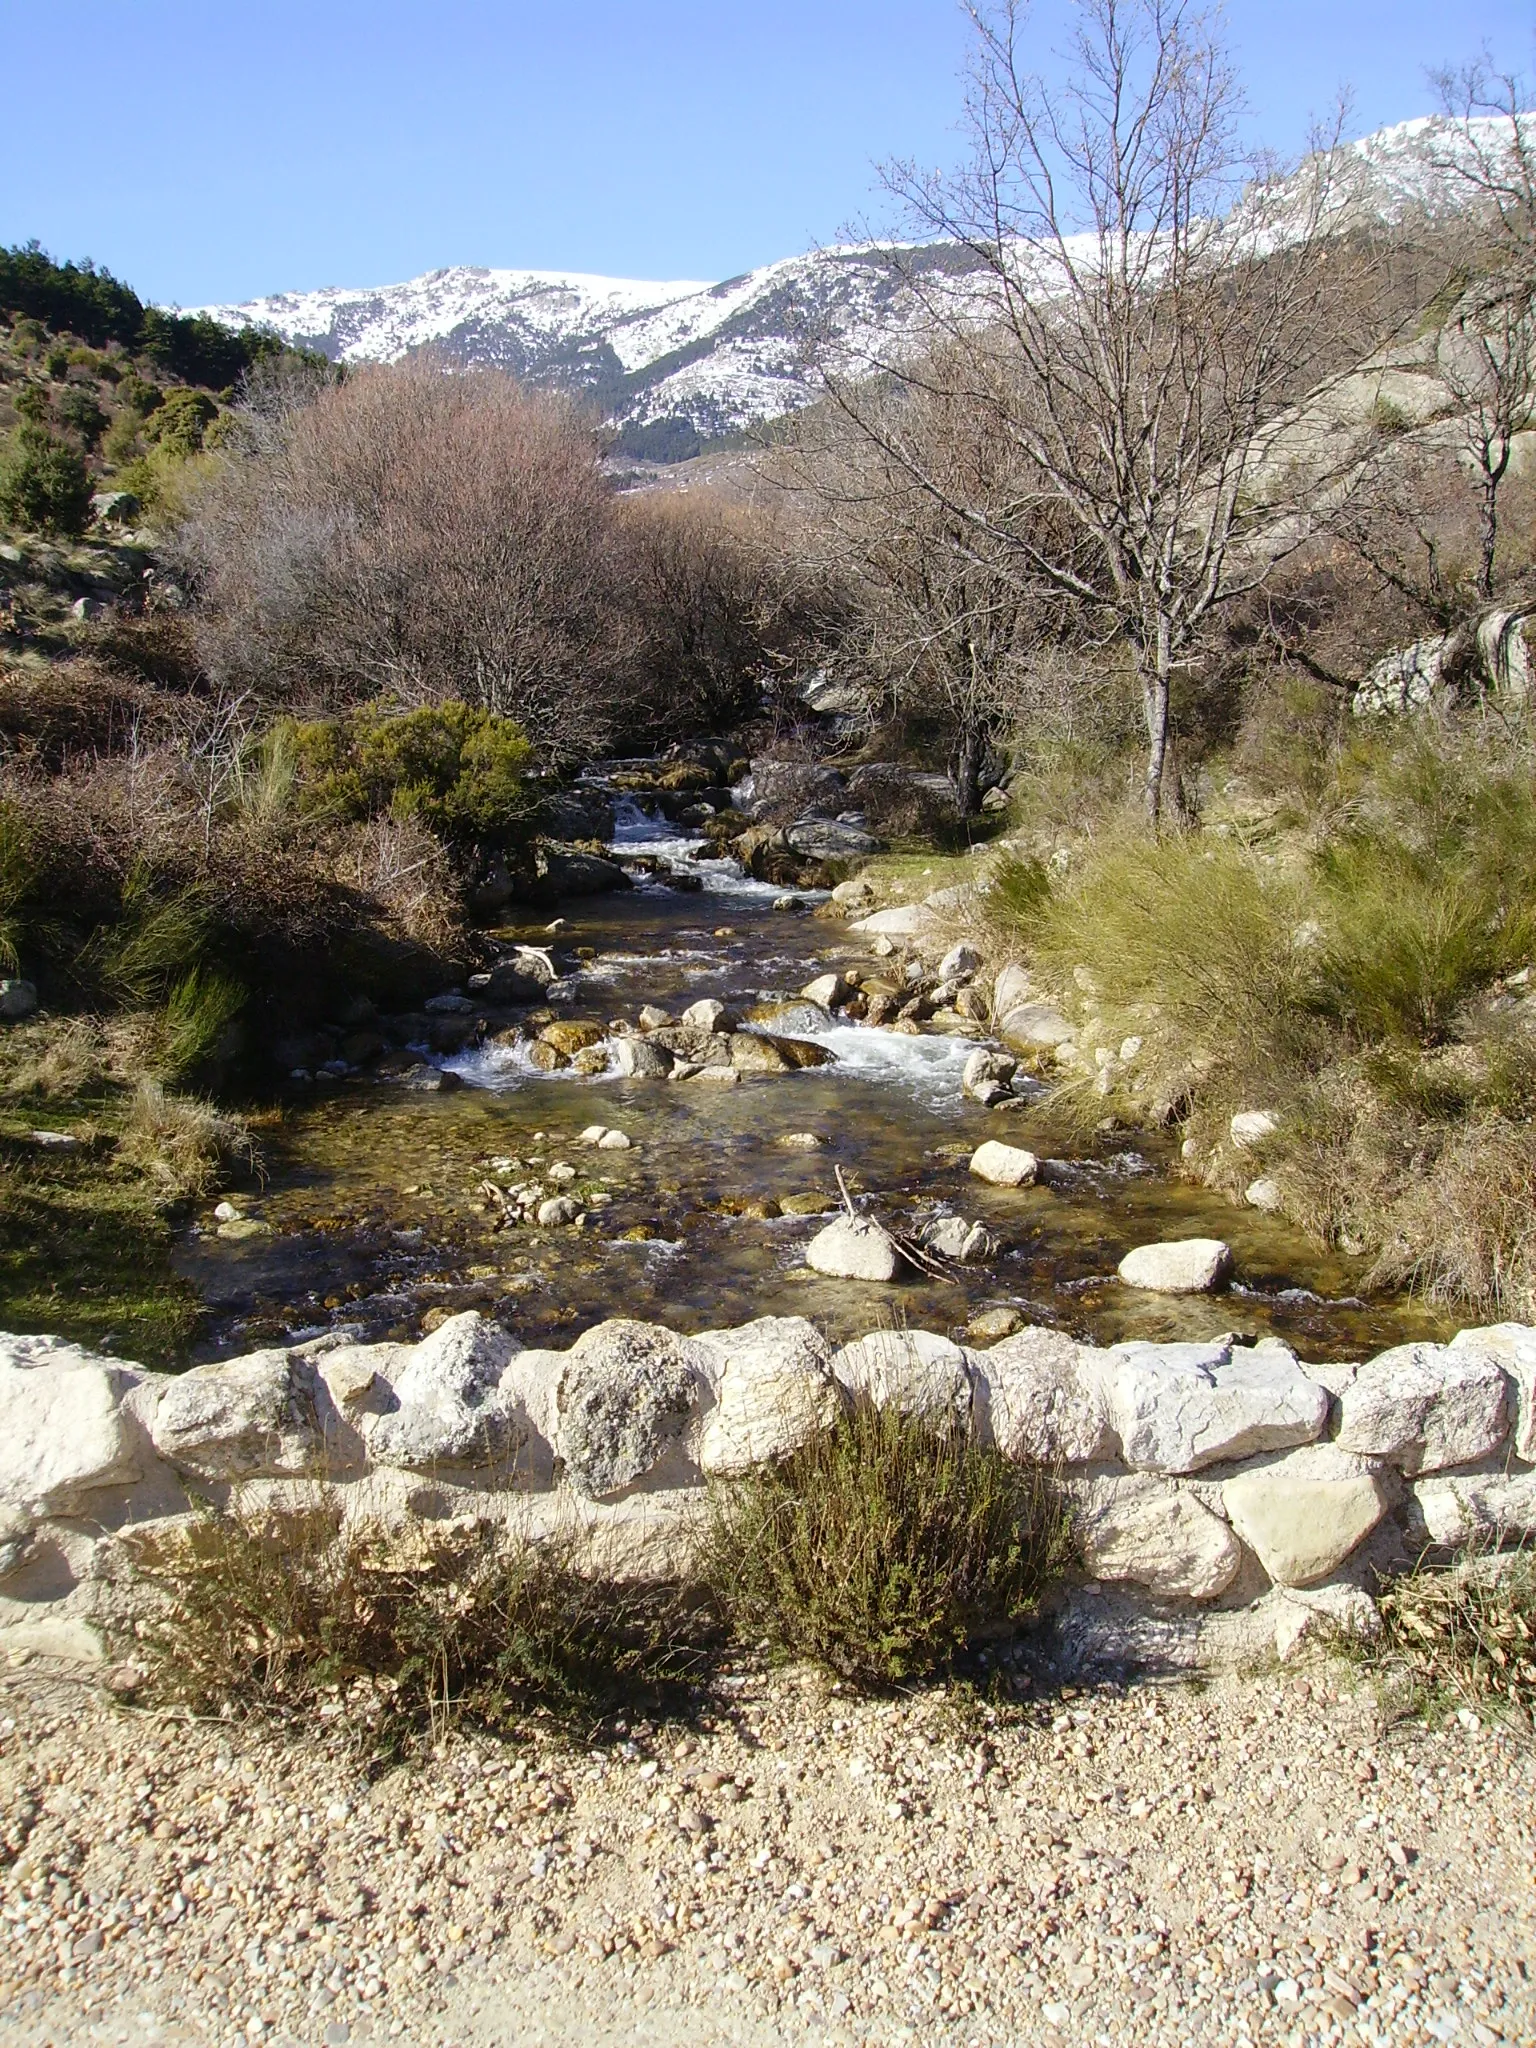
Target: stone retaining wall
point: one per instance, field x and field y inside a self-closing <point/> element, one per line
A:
<point x="1228" y="1496"/>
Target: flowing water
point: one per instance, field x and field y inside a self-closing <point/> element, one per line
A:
<point x="372" y="1213"/>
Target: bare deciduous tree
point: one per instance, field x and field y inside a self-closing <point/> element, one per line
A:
<point x="1128" y="337"/>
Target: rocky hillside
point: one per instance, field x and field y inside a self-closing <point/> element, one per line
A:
<point x="681" y="364"/>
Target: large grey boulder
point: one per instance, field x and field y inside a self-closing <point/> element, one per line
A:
<point x="63" y="1433"/>
<point x="1186" y="1265"/>
<point x="774" y="1392"/>
<point x="1011" y="989"/>
<point x="1303" y="1513"/>
<point x="987" y="1076"/>
<point x="1425" y="1406"/>
<point x="1155" y="1535"/>
<point x="1043" y="1399"/>
<point x="631" y="1394"/>
<point x="900" y="921"/>
<point x="854" y="1248"/>
<point x="830" y="839"/>
<point x="1178" y="1407"/>
<point x="451" y="1410"/>
<point x="913" y="1370"/>
<point x="1033" y="1027"/>
<point x="245" y="1417"/>
<point x="1512" y="1347"/>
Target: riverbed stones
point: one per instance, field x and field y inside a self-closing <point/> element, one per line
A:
<point x="1178" y="1407"/>
<point x="1156" y="1535"/>
<point x="557" y="1212"/>
<point x="853" y="1248"/>
<point x="1512" y="1347"/>
<point x="652" y="1017"/>
<point x="1304" y="1512"/>
<point x="640" y="1059"/>
<point x="1264" y="1193"/>
<point x="1187" y="1265"/>
<point x="568" y="1036"/>
<point x="450" y="1408"/>
<point x="1045" y="1399"/>
<point x="257" y="1414"/>
<point x="1004" y="1166"/>
<point x="901" y="921"/>
<point x="987" y="1076"/>
<point x="1251" y="1127"/>
<point x="1425" y="1406"/>
<point x="775" y="1392"/>
<point x="627" y="1399"/>
<point x="960" y="962"/>
<point x="1011" y="988"/>
<point x="830" y="838"/>
<point x="709" y="1014"/>
<point x="770" y="1052"/>
<point x="921" y="1374"/>
<point x="957" y="1238"/>
<point x="63" y="1434"/>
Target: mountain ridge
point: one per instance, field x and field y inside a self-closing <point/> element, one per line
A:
<point x="678" y="365"/>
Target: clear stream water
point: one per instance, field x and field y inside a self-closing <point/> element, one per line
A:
<point x="373" y="1213"/>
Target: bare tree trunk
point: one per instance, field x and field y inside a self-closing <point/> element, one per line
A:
<point x="1154" y="696"/>
<point x="967" y="770"/>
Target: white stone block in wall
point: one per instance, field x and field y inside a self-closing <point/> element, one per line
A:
<point x="1178" y="1407"/>
<point x="1157" y="1535"/>
<point x="1424" y="1407"/>
<point x="1512" y="1346"/>
<point x="1302" y="1514"/>
<point x="63" y="1433"/>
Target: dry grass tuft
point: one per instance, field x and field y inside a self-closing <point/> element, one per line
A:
<point x="1466" y="1636"/>
<point x="184" y="1145"/>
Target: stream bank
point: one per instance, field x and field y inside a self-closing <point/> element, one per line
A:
<point x="385" y="1201"/>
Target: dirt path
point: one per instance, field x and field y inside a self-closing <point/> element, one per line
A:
<point x="1256" y="1861"/>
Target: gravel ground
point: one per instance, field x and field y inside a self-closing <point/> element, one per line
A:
<point x="1260" y="1860"/>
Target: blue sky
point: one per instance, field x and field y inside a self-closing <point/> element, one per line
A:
<point x="213" y="152"/>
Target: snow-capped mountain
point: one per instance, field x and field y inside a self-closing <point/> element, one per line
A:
<point x="675" y="365"/>
<point x="672" y="364"/>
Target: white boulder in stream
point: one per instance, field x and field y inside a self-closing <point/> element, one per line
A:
<point x="1185" y="1265"/>
<point x="854" y="1248"/>
<point x="1004" y="1166"/>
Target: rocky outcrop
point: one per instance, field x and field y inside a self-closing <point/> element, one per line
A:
<point x="1226" y="1478"/>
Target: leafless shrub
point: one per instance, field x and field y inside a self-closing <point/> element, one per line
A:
<point x="418" y="535"/>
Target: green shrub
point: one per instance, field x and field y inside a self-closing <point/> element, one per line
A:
<point x="200" y="1011"/>
<point x="1408" y="940"/>
<point x="80" y="411"/>
<point x="1192" y="940"/>
<point x="884" y="1546"/>
<point x="1017" y="891"/>
<point x="18" y="876"/>
<point x="43" y="483"/>
<point x="180" y="422"/>
<point x="121" y="443"/>
<point x="461" y="771"/>
<point x="266" y="1613"/>
<point x="157" y="939"/>
<point x="139" y="394"/>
